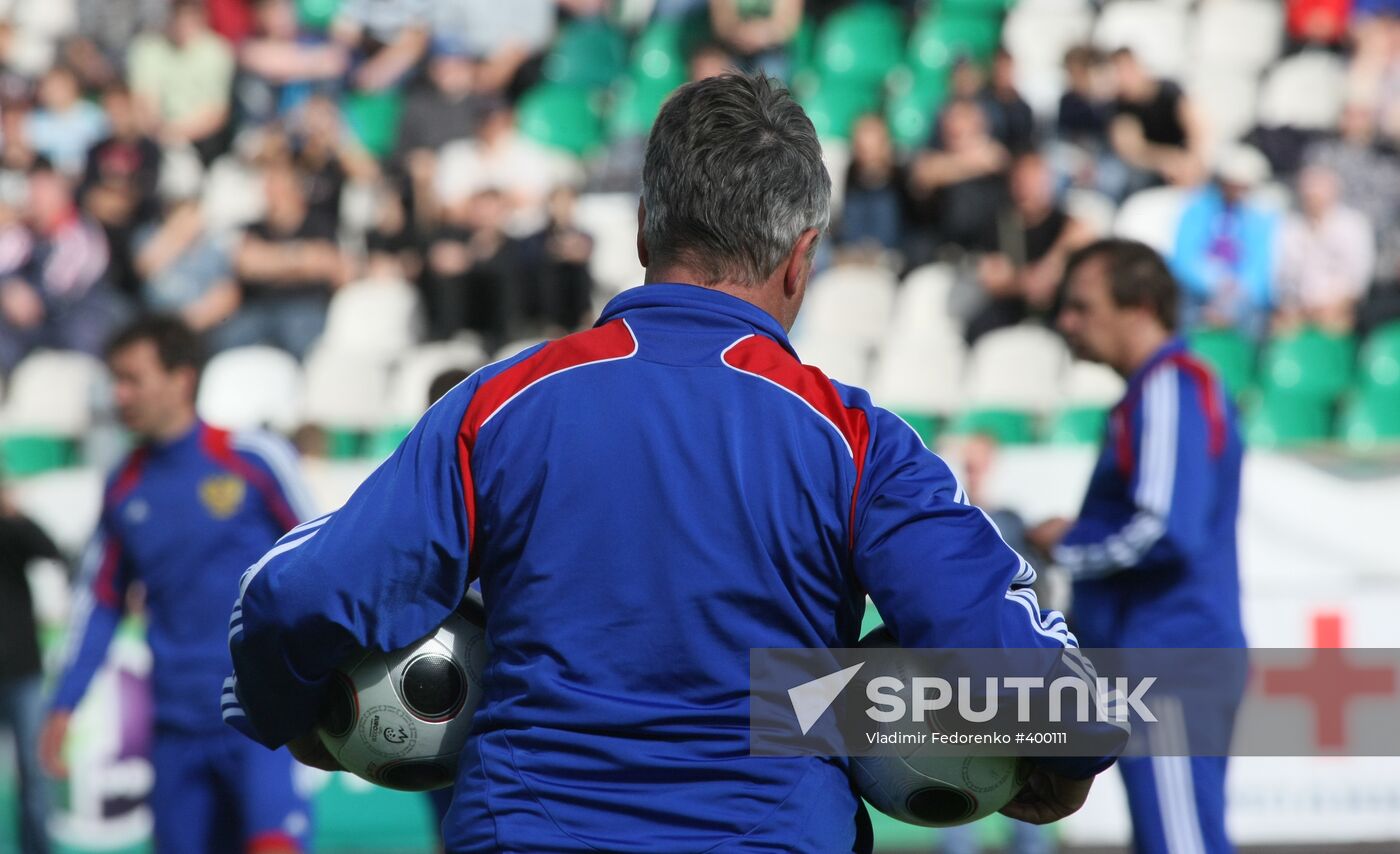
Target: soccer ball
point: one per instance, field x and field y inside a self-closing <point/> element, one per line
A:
<point x="399" y="719"/>
<point x="924" y="786"/>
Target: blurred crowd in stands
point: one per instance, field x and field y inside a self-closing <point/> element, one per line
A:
<point x="239" y="161"/>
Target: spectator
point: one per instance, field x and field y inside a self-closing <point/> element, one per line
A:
<point x="872" y="213"/>
<point x="391" y="250"/>
<point x="447" y="108"/>
<point x="184" y="77"/>
<point x="1319" y="22"/>
<point x="559" y="287"/>
<point x="958" y="189"/>
<point x="1224" y="252"/>
<point x="327" y="155"/>
<point x="106" y="31"/>
<point x="709" y="60"/>
<point x="1008" y="115"/>
<point x="757" y="33"/>
<point x="120" y="182"/>
<point x="387" y="38"/>
<point x="55" y="292"/>
<point x="185" y="270"/>
<point x="1033" y="239"/>
<point x="287" y="265"/>
<point x="507" y="40"/>
<point x="1155" y="128"/>
<point x="1085" y="107"/>
<point x="474" y="271"/>
<point x="1327" y="256"/>
<point x="277" y="69"/>
<point x="64" y="126"/>
<point x="21" y="692"/>
<point x="1369" y="181"/>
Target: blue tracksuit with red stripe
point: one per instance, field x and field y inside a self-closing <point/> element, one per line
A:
<point x="643" y="502"/>
<point x="184" y="519"/>
<point x="1155" y="565"/>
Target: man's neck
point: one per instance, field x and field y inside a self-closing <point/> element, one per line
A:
<point x="174" y="429"/>
<point x="1141" y="348"/>
<point x="759" y="295"/>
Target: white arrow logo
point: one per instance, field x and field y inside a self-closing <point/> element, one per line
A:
<point x="810" y="699"/>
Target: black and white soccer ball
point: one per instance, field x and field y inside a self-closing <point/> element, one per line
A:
<point x="400" y="719"/>
<point x="923" y="785"/>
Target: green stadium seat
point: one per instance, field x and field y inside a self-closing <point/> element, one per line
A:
<point x="22" y="455"/>
<point x="913" y="103"/>
<point x="316" y="15"/>
<point x="659" y="53"/>
<point x="1380" y="362"/>
<point x="803" y="48"/>
<point x="925" y="424"/>
<point x="1282" y="420"/>
<point x="1078" y="426"/>
<point x="834" y="106"/>
<point x="635" y="105"/>
<point x="984" y="8"/>
<point x="561" y="117"/>
<point x="589" y="54"/>
<point x="939" y="39"/>
<point x="1309" y="363"/>
<point x="861" y="42"/>
<point x="1009" y="427"/>
<point x="344" y="444"/>
<point x="1370" y="420"/>
<point x="382" y="443"/>
<point x="1229" y="353"/>
<point x="374" y="118"/>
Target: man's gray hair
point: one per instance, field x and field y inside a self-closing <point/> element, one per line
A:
<point x="733" y="176"/>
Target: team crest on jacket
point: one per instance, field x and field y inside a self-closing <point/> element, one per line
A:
<point x="222" y="494"/>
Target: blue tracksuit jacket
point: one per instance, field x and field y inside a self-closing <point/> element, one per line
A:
<point x="643" y="502"/>
<point x="1154" y="553"/>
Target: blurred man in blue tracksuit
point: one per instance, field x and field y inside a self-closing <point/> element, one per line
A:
<point x="643" y="503"/>
<point x="183" y="516"/>
<point x="1153" y="553"/>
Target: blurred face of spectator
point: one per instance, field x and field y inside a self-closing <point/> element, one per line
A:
<point x="59" y="90"/>
<point x="1357" y="124"/>
<point x="452" y="73"/>
<point x="1131" y="78"/>
<point x="186" y="23"/>
<point x="963" y="126"/>
<point x="497" y="125"/>
<point x="870" y="142"/>
<point x="1092" y="323"/>
<point x="488" y="211"/>
<point x="149" y="398"/>
<point x="1032" y="185"/>
<point x="1004" y="72"/>
<point x="50" y="199"/>
<point x="277" y="19"/>
<point x="710" y="61"/>
<point x="121" y="112"/>
<point x="320" y="120"/>
<point x="1318" y="191"/>
<point x="561" y="205"/>
<point x="286" y="202"/>
<point x="1079" y="69"/>
<point x="966" y="80"/>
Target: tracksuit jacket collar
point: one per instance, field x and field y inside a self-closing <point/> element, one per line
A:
<point x="699" y="299"/>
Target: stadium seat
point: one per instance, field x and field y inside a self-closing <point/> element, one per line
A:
<point x="374" y="119"/>
<point x="658" y="56"/>
<point x="938" y="39"/>
<point x="380" y="318"/>
<point x="1021" y="368"/>
<point x="987" y="8"/>
<point x="316" y="15"/>
<point x="1369" y="421"/>
<point x="1227" y="98"/>
<point x="1092" y="208"/>
<point x="834" y="105"/>
<point x="1077" y="425"/>
<point x="1380" y="363"/>
<point x="1246" y="35"/>
<point x="346" y="394"/>
<point x="859" y="43"/>
<point x="851" y="302"/>
<point x="836" y="157"/>
<point x="64" y="503"/>
<point x="1151" y="216"/>
<point x="842" y="359"/>
<point x="1304" y="92"/>
<point x="1006" y="426"/>
<point x="1286" y="420"/>
<point x="232" y="196"/>
<point x="636" y="103"/>
<point x="1308" y="364"/>
<point x="1039" y="36"/>
<point x="913" y="102"/>
<point x="1090" y="390"/>
<point x="1229" y="354"/>
<point x="560" y="117"/>
<point x="252" y="387"/>
<point x="1155" y="30"/>
<point x="511" y="348"/>
<point x="416" y="370"/>
<point x="588" y="53"/>
<point x="611" y="219"/>
<point x="922" y="303"/>
<point x="919" y="375"/>
<point x="49" y="407"/>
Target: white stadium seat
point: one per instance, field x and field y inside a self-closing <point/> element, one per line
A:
<point x="922" y="375"/>
<point x="52" y="392"/>
<point x="250" y="387"/>
<point x="1151" y="216"/>
<point x="843" y="360"/>
<point x="922" y="305"/>
<point x="1227" y="99"/>
<point x="854" y="302"/>
<point x="1092" y="208"/>
<point x="1155" y="31"/>
<point x="233" y="195"/>
<point x="1020" y="367"/>
<point x="416" y="370"/>
<point x="376" y="318"/>
<point x="1243" y="34"/>
<point x="836" y="157"/>
<point x="611" y="220"/>
<point x="345" y="391"/>
<point x="1306" y="91"/>
<point x="1039" y="36"/>
<point x="1092" y="384"/>
<point x="65" y="503"/>
<point x="510" y="348"/>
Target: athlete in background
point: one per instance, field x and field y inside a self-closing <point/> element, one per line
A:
<point x="184" y="515"/>
<point x="1153" y="553"/>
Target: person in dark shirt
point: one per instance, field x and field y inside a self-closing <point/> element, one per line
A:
<point x="1009" y="117"/>
<point x="21" y="694"/>
<point x="1155" y="128"/>
<point x="958" y="188"/>
<point x="447" y="106"/>
<point x="474" y="271"/>
<point x="873" y="211"/>
<point x="558" y="285"/>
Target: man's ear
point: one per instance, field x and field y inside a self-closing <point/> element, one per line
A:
<point x="799" y="262"/>
<point x="642" y="254"/>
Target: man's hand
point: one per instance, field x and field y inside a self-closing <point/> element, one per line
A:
<point x="308" y="750"/>
<point x="1048" y="534"/>
<point x="1047" y="797"/>
<point x="51" y="740"/>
